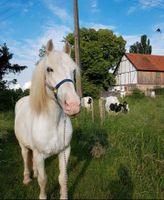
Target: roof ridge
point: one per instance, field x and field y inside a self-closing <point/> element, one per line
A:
<point x="144" y="54"/>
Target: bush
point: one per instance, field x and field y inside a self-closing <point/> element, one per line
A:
<point x="159" y="91"/>
<point x="137" y="94"/>
<point x="8" y="98"/>
<point x="91" y="90"/>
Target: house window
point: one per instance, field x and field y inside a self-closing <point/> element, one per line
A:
<point x="158" y="74"/>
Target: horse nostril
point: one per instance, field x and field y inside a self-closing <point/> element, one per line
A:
<point x="71" y="103"/>
<point x="67" y="103"/>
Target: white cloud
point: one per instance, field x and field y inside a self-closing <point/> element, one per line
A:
<point x="145" y="4"/>
<point x="93" y="3"/>
<point x="26" y="51"/>
<point x="131" y="39"/>
<point x="27" y="85"/>
<point x="157" y="43"/>
<point x="131" y="10"/>
<point x="15" y="86"/>
<point x="58" y="11"/>
<point x="150" y="3"/>
<point x="97" y="26"/>
<point x="94" y="6"/>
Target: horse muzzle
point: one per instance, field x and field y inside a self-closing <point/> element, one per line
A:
<point x="72" y="106"/>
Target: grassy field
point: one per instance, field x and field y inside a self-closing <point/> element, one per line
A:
<point x="131" y="168"/>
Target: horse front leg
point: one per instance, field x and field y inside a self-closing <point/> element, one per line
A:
<point x="27" y="158"/>
<point x="63" y="160"/>
<point x="42" y="177"/>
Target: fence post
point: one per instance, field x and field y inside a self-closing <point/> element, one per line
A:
<point x="102" y="110"/>
<point x="92" y="112"/>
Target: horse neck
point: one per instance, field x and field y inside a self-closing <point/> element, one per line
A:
<point x="53" y="107"/>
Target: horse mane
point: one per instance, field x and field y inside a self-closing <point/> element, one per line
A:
<point x="38" y="97"/>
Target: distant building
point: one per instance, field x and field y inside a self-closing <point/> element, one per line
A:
<point x="141" y="71"/>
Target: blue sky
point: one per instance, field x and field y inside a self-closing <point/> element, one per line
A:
<point x="26" y="25"/>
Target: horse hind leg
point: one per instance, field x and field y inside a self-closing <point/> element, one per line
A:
<point x="27" y="158"/>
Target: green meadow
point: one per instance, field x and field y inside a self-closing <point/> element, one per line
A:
<point x="129" y="165"/>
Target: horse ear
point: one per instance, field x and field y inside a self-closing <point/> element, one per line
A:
<point x="67" y="48"/>
<point x="49" y="46"/>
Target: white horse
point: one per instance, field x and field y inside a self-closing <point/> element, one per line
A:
<point x="42" y="124"/>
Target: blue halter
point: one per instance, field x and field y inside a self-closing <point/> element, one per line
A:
<point x="55" y="89"/>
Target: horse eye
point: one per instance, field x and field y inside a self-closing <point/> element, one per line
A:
<point x="49" y="69"/>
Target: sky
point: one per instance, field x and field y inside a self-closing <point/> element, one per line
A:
<point x="27" y="25"/>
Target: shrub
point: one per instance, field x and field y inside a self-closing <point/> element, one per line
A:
<point x="8" y="98"/>
<point x="90" y="90"/>
<point x="137" y="94"/>
<point x="159" y="91"/>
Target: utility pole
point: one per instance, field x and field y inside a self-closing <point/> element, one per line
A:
<point x="77" y="47"/>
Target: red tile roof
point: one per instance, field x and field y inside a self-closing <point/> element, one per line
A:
<point x="146" y="62"/>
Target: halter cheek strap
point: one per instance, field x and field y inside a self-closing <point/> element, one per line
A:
<point x="55" y="89"/>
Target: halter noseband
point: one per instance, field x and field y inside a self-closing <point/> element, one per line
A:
<point x="55" y="89"/>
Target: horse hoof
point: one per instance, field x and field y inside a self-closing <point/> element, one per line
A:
<point x="42" y="196"/>
<point x="26" y="181"/>
<point x="35" y="175"/>
<point x="63" y="197"/>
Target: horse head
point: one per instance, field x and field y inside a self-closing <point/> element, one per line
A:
<point x="57" y="71"/>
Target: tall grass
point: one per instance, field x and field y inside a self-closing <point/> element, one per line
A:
<point x="131" y="168"/>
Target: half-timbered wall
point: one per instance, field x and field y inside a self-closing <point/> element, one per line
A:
<point x="126" y="73"/>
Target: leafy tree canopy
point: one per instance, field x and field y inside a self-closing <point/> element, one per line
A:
<point x="42" y="51"/>
<point x="99" y="51"/>
<point x="6" y="67"/>
<point x="142" y="47"/>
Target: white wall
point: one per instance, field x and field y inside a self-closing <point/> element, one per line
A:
<point x="126" y="74"/>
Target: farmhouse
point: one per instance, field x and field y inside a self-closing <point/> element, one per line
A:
<point x="141" y="71"/>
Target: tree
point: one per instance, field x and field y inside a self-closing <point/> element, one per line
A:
<point x="42" y="51"/>
<point x="99" y="51"/>
<point x="142" y="47"/>
<point x="6" y="67"/>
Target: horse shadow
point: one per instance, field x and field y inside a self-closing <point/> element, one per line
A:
<point x="78" y="155"/>
<point x="84" y="139"/>
<point x="86" y="159"/>
<point x="122" y="187"/>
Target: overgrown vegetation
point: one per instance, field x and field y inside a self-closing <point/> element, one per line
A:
<point x="137" y="93"/>
<point x="130" y="168"/>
